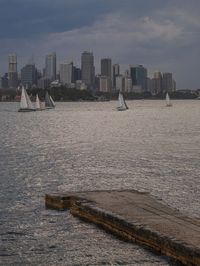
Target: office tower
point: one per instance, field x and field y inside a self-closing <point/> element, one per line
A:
<point x="76" y="74"/>
<point x="29" y="75"/>
<point x="167" y="82"/>
<point x="12" y="70"/>
<point x="44" y="83"/>
<point x="106" y="71"/>
<point x="104" y="84"/>
<point x="138" y="75"/>
<point x="50" y="66"/>
<point x="116" y="72"/>
<point x="4" y="81"/>
<point x="157" y="83"/>
<point x="87" y="69"/>
<point x="149" y="85"/>
<point x="106" y="67"/>
<point x="127" y="84"/>
<point x="174" y="85"/>
<point x="120" y="83"/>
<point x="66" y="73"/>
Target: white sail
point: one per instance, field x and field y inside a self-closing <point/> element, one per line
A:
<point x="121" y="103"/>
<point x="168" y="102"/>
<point x="49" y="103"/>
<point x="23" y="102"/>
<point x="52" y="101"/>
<point x="37" y="103"/>
<point x="30" y="105"/>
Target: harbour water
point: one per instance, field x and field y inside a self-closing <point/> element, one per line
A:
<point x="90" y="146"/>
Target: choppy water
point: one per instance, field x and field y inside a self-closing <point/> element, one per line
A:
<point x="86" y="146"/>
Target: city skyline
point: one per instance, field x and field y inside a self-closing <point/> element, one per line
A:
<point x="160" y="36"/>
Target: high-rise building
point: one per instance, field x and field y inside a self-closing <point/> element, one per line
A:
<point x="106" y="72"/>
<point x="66" y="73"/>
<point x="44" y="83"/>
<point x="29" y="75"/>
<point x="76" y="74"/>
<point x="106" y="67"/>
<point x="12" y="71"/>
<point x="116" y="72"/>
<point x="120" y="86"/>
<point x="104" y="84"/>
<point x="167" y="82"/>
<point x="127" y="84"/>
<point x="50" y="66"/>
<point x="87" y="69"/>
<point x="4" y="81"/>
<point x="157" y="83"/>
<point x="138" y="75"/>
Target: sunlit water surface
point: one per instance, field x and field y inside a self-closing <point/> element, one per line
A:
<point x="91" y="146"/>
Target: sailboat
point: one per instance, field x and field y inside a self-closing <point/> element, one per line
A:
<point x="168" y="102"/>
<point x="25" y="103"/>
<point x="49" y="103"/>
<point x="122" y="106"/>
<point x="38" y="104"/>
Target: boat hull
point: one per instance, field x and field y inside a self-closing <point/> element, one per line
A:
<point x="121" y="109"/>
<point x="40" y="109"/>
<point x="26" y="110"/>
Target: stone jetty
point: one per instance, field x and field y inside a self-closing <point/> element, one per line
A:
<point x="137" y="217"/>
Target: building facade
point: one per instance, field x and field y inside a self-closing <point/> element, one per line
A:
<point x="66" y="73"/>
<point x="116" y="72"/>
<point x="50" y="66"/>
<point x="157" y="83"/>
<point x="29" y="75"/>
<point x="87" y="69"/>
<point x="12" y="71"/>
<point x="167" y="82"/>
<point x="138" y="74"/>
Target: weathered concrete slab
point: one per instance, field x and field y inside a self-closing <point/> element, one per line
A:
<point x="137" y="217"/>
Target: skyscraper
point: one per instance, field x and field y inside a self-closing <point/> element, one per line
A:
<point x="29" y="75"/>
<point x="87" y="69"/>
<point x="138" y="75"/>
<point x="66" y="73"/>
<point x="106" y="71"/>
<point x="167" y="82"/>
<point x="106" y="67"/>
<point x="50" y="66"/>
<point x="12" y="71"/>
<point x="116" y="72"/>
<point x="157" y="83"/>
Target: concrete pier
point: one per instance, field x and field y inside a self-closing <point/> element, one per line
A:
<point x="137" y="217"/>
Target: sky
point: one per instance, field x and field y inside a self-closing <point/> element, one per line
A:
<point x="163" y="35"/>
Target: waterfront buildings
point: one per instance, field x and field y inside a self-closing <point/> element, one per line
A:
<point x="12" y="71"/>
<point x="110" y="79"/>
<point x="50" y="66"/>
<point x="87" y="69"/>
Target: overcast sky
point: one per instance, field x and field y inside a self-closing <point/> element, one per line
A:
<point x="160" y="34"/>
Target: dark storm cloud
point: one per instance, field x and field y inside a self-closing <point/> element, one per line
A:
<point x="24" y="18"/>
